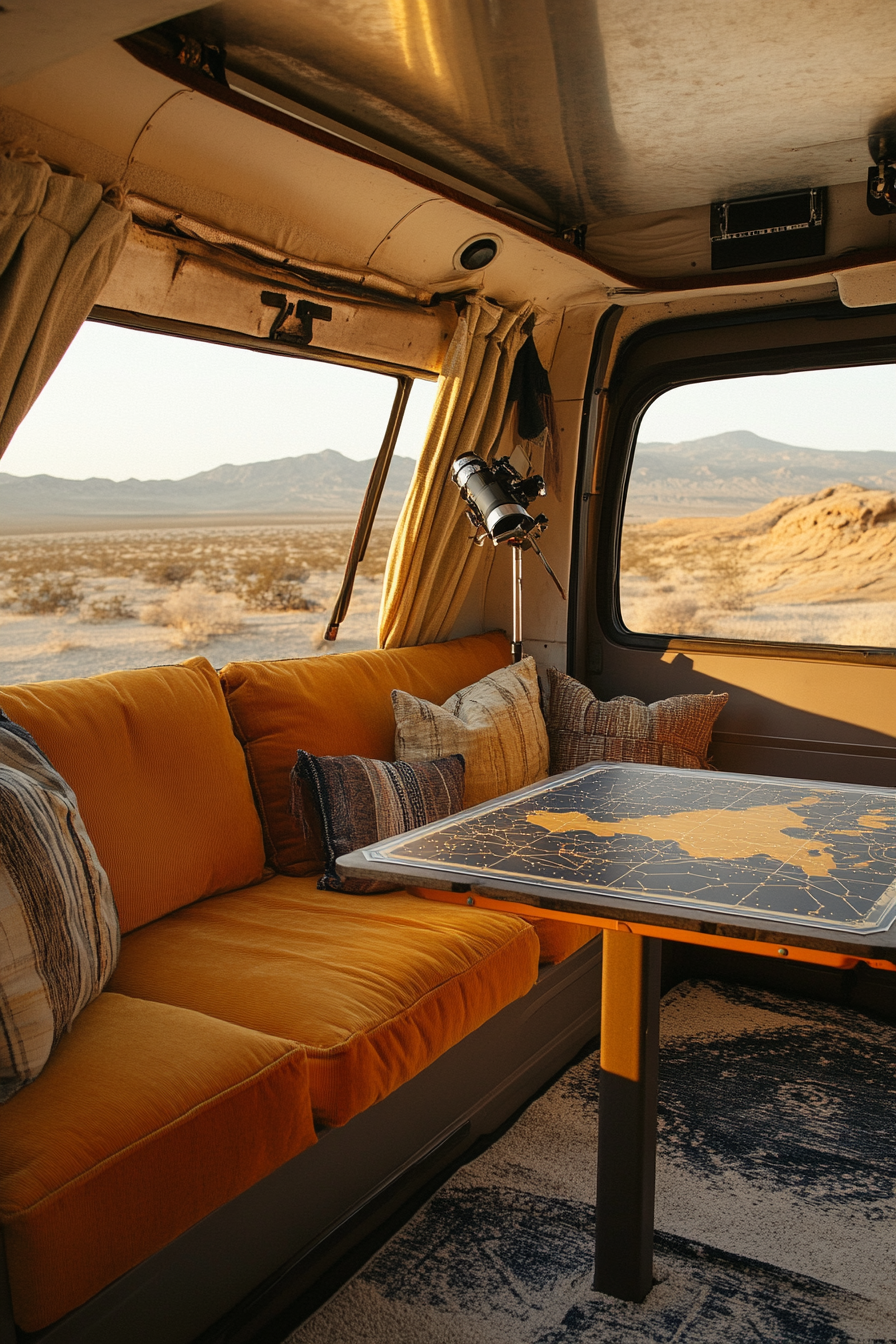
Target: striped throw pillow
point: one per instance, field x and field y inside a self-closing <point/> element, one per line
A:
<point x="59" y="934"/>
<point x="359" y="801"/>
<point x="496" y="724"/>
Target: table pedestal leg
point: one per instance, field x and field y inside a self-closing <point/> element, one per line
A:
<point x="626" y="1144"/>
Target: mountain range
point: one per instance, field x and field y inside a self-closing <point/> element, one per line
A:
<point x="315" y="483"/>
<point x="728" y="474"/>
<point x="719" y="476"/>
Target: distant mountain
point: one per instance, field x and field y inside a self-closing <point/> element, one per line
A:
<point x="733" y="473"/>
<point x="724" y="475"/>
<point x="323" y="482"/>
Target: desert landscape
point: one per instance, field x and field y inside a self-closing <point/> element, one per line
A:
<point x="817" y="568"/>
<point x="77" y="603"/>
<point x="245" y="562"/>
<point x="238" y="562"/>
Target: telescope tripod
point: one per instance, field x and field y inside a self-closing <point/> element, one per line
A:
<point x="516" y="641"/>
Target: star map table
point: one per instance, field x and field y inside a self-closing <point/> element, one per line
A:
<point x="779" y="866"/>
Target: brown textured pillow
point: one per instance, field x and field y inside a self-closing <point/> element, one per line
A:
<point x="582" y="728"/>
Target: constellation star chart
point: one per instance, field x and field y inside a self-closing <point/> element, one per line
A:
<point x="811" y="854"/>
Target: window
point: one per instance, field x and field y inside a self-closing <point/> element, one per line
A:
<point x="167" y="496"/>
<point x="764" y="508"/>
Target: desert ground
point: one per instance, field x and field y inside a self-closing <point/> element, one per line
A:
<point x="76" y="603"/>
<point x="817" y="569"/>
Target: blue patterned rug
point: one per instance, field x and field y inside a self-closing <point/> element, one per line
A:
<point x="775" y="1214"/>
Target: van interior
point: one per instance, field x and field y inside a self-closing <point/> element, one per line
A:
<point x="686" y="214"/>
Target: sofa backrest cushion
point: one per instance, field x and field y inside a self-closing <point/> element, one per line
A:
<point x="59" y="936"/>
<point x="160" y="780"/>
<point x="339" y="705"/>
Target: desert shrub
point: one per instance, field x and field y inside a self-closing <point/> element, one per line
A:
<point x="729" y="582"/>
<point x="101" y="609"/>
<point x="64" y="645"/>
<point x="196" y="614"/>
<point x="276" y="588"/>
<point x="668" y="615"/>
<point x="166" y="573"/>
<point x="43" y="595"/>
<point x="641" y="555"/>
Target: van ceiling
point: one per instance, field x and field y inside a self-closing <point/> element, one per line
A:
<point x="572" y="111"/>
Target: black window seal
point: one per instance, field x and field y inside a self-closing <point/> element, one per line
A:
<point x="601" y="559"/>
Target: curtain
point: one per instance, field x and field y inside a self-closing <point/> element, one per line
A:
<point x="431" y="563"/>
<point x="59" y="240"/>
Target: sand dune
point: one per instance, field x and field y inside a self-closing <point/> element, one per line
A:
<point x="832" y="549"/>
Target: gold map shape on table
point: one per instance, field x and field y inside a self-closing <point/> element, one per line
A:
<point x="721" y="834"/>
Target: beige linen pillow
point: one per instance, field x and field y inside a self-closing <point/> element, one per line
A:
<point x="496" y="725"/>
<point x="673" y="732"/>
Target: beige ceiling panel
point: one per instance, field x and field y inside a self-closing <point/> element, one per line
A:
<point x="37" y="33"/>
<point x="425" y="243"/>
<point x="353" y="205"/>
<point x="867" y="287"/>
<point x="104" y="96"/>
<point x="190" y="150"/>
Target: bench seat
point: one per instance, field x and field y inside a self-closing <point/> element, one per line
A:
<point x="373" y="988"/>
<point x="146" y="1118"/>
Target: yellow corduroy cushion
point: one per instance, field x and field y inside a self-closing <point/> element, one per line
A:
<point x="160" y="779"/>
<point x="336" y="706"/>
<point x="558" y="939"/>
<point x="145" y="1119"/>
<point x="373" y="987"/>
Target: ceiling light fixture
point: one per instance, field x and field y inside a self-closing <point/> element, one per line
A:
<point x="477" y="253"/>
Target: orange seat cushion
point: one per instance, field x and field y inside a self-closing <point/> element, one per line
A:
<point x="336" y="706"/>
<point x="373" y="987"/>
<point x="558" y="939"/>
<point x="145" y="1119"/>
<point x="160" y="780"/>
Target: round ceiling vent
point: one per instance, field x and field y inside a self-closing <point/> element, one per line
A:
<point x="476" y="253"/>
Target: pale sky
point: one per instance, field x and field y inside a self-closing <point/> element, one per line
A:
<point x="130" y="403"/>
<point x="133" y="403"/>
<point x="838" y="409"/>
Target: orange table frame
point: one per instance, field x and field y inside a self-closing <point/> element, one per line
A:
<point x="629" y="1068"/>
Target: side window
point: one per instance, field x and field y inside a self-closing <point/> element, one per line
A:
<point x="167" y="496"/>
<point x="764" y="508"/>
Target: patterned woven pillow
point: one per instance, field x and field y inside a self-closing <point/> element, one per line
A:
<point x="360" y="801"/>
<point x="496" y="724"/>
<point x="582" y="728"/>
<point x="59" y="935"/>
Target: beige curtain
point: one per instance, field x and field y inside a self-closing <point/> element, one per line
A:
<point x="58" y="243"/>
<point x="432" y="564"/>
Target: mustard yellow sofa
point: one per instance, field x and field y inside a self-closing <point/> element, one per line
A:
<point x="171" y="1158"/>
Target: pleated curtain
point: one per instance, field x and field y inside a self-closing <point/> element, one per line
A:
<point x="432" y="563"/>
<point x="59" y="240"/>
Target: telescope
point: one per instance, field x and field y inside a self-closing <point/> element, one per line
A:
<point x="498" y="499"/>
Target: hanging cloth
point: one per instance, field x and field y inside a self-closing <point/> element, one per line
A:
<point x="59" y="240"/>
<point x="536" y="423"/>
<point x="431" y="564"/>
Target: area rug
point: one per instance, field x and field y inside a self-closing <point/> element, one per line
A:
<point x="775" y="1212"/>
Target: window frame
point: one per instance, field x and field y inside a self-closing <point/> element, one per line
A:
<point x="404" y="380"/>
<point x="667" y="354"/>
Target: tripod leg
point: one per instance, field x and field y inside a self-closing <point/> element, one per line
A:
<point x="517" y="601"/>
